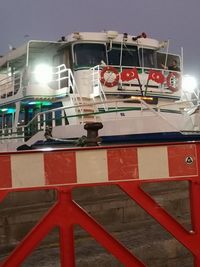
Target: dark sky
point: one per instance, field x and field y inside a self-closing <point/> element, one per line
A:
<point x="176" y="20"/>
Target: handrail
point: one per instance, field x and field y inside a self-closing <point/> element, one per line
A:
<point x="144" y="82"/>
<point x="117" y="109"/>
<point x="157" y="113"/>
<point x="178" y="103"/>
<point x="10" y="85"/>
<point x="96" y="82"/>
<point x="62" y="109"/>
<point x="183" y="105"/>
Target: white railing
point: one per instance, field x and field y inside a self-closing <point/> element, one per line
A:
<point x="10" y="85"/>
<point x="57" y="117"/>
<point x="62" y="78"/>
<point x="64" y="74"/>
<point x="97" y="89"/>
<point x="143" y="83"/>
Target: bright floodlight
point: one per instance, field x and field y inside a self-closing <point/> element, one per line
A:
<point x="43" y="73"/>
<point x="189" y="83"/>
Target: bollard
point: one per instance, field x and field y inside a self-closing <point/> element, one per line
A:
<point x="92" y="138"/>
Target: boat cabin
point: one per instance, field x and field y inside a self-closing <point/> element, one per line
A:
<point x="41" y="75"/>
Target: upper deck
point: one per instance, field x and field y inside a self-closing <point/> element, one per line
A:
<point x="89" y="64"/>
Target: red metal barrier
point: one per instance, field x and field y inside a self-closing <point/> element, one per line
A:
<point x="121" y="166"/>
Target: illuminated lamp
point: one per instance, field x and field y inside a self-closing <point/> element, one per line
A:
<point x="43" y="103"/>
<point x="7" y="110"/>
<point x="10" y="110"/>
<point x="43" y="73"/>
<point x="189" y="83"/>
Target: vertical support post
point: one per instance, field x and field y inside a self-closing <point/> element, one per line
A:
<point x="195" y="217"/>
<point x="63" y="117"/>
<point x="67" y="245"/>
<point x="44" y="121"/>
<point x="66" y="228"/>
<point x="53" y="119"/>
<point x="38" y="123"/>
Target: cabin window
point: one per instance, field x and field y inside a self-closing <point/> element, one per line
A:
<point x="6" y="120"/>
<point x="89" y="55"/>
<point x="125" y="55"/>
<point x="166" y="59"/>
<point x="7" y="115"/>
<point x="147" y="58"/>
<point x="21" y="118"/>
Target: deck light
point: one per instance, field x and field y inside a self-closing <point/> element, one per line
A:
<point x="43" y="73"/>
<point x="189" y="83"/>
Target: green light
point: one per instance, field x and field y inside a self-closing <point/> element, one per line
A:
<point x="11" y="110"/>
<point x="46" y="103"/>
<point x="38" y="103"/>
<point x="7" y="110"/>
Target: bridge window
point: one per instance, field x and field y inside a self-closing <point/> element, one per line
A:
<point x="89" y="55"/>
<point x="166" y="59"/>
<point x="147" y="58"/>
<point x="129" y="55"/>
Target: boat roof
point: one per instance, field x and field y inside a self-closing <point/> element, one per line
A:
<point x="37" y="46"/>
<point x="17" y="54"/>
<point x="107" y="36"/>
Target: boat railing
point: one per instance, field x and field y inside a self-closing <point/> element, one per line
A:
<point x="186" y="107"/>
<point x="62" y="77"/>
<point x="154" y="78"/>
<point x="61" y="73"/>
<point x="182" y="105"/>
<point x="10" y="85"/>
<point x="59" y="117"/>
<point x="64" y="74"/>
<point x="97" y="86"/>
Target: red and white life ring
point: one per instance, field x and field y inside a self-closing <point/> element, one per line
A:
<point x="110" y="70"/>
<point x="173" y="81"/>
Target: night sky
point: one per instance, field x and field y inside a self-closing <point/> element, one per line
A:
<point x="176" y="20"/>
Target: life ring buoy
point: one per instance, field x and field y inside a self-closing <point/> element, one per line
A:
<point x="113" y="71"/>
<point x="173" y="86"/>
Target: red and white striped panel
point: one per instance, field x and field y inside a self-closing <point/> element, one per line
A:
<point x="97" y="165"/>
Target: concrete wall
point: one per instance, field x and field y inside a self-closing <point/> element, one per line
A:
<point x="115" y="211"/>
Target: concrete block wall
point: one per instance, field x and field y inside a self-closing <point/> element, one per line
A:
<point x="115" y="211"/>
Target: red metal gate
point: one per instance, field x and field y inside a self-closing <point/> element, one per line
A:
<point x="128" y="167"/>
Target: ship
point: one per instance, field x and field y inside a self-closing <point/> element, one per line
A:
<point x="49" y="91"/>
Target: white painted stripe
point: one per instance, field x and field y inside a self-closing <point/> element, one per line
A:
<point x="92" y="166"/>
<point x="153" y="162"/>
<point x="27" y="170"/>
